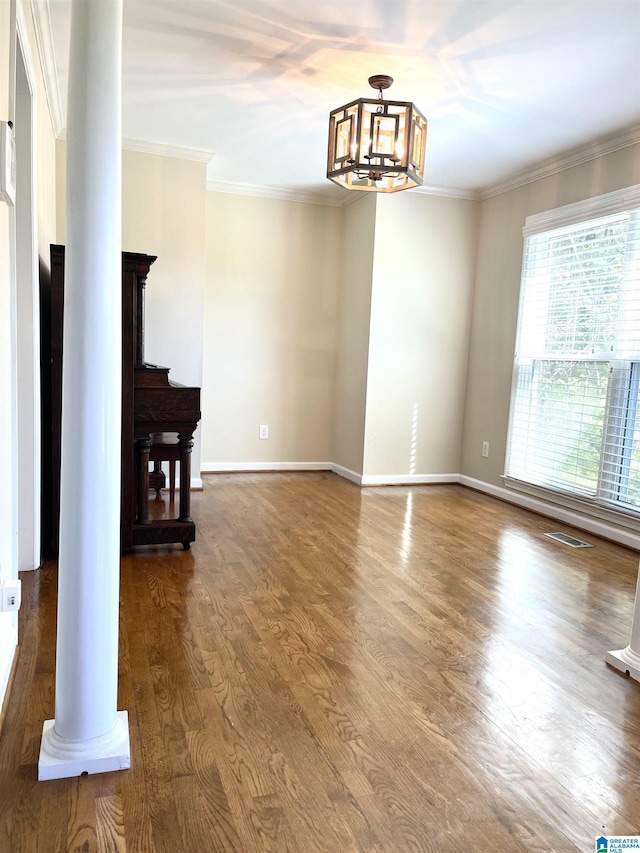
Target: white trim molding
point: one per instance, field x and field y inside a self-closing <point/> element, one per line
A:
<point x="562" y="162"/>
<point x="47" y="54"/>
<point x="29" y="318"/>
<point x="448" y="192"/>
<point x="551" y="166"/>
<point x="569" y="214"/>
<point x="258" y="467"/>
<point x="7" y="659"/>
<point x="302" y="196"/>
<point x="347" y="474"/>
<point x="341" y="471"/>
<point x="408" y="479"/>
<point x="144" y="146"/>
<point x="572" y="517"/>
<point x="315" y="197"/>
<point x="619" y="518"/>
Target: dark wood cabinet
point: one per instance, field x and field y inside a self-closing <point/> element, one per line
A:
<point x="151" y="404"/>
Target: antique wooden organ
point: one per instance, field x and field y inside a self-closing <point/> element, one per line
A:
<point x="154" y="408"/>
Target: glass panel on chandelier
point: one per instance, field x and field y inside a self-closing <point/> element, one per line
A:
<point x="419" y="127"/>
<point x="344" y="139"/>
<point x="384" y="137"/>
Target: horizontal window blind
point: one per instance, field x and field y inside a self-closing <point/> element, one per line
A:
<point x="575" y="420"/>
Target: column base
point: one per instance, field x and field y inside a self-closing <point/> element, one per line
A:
<point x="625" y="660"/>
<point x="62" y="759"/>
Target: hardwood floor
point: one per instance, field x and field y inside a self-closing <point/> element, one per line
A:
<point x="335" y="669"/>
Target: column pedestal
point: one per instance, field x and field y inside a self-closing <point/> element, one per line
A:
<point x="61" y="758"/>
<point x="627" y="660"/>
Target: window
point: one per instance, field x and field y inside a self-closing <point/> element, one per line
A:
<point x="575" y="415"/>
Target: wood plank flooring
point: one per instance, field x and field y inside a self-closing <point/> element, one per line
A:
<point x="347" y="671"/>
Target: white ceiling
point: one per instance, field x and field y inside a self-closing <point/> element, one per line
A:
<point x="504" y="85"/>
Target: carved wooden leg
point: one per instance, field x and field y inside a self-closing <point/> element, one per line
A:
<point x="185" y="443"/>
<point x="157" y="479"/>
<point x="143" y="446"/>
<point x="172" y="481"/>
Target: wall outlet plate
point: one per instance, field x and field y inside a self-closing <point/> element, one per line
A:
<point x="10" y="595"/>
<point x="264" y="431"/>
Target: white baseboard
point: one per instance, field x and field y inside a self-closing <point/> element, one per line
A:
<point x="487" y="488"/>
<point x="347" y="473"/>
<point x="393" y="479"/>
<point x="575" y="519"/>
<point x="408" y="479"/>
<point x="8" y="647"/>
<point x="246" y="467"/>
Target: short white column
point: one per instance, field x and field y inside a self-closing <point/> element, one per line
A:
<point x="88" y="734"/>
<point x="628" y="659"/>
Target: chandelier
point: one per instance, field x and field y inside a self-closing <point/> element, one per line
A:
<point x="377" y="145"/>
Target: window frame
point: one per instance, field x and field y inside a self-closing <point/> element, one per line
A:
<point x="621" y="514"/>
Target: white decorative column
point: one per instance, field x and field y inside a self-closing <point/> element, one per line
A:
<point x="88" y="733"/>
<point x="628" y="660"/>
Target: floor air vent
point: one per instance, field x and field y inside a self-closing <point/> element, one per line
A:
<point x="571" y="541"/>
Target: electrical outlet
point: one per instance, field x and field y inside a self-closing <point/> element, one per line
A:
<point x="11" y="595"/>
<point x="264" y="430"/>
<point x="485" y="449"/>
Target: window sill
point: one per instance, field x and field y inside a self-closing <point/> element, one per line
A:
<point x="616" y="517"/>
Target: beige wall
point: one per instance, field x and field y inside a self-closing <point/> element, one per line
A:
<point x="163" y="214"/>
<point x="497" y="288"/>
<point x="353" y="333"/>
<point x="292" y="340"/>
<point x="272" y="273"/>
<point x="423" y="275"/>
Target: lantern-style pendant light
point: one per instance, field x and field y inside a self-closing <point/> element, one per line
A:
<point x="377" y="145"/>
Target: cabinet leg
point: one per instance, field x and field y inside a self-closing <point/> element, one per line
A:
<point x="185" y="444"/>
<point x="143" y="447"/>
<point x="172" y="481"/>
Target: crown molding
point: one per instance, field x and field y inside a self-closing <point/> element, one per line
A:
<point x="552" y="166"/>
<point x="310" y="197"/>
<point x="46" y="53"/>
<point x="305" y="197"/>
<point x="448" y="192"/>
<point x="559" y="163"/>
<point x="144" y="146"/>
<point x="443" y="192"/>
